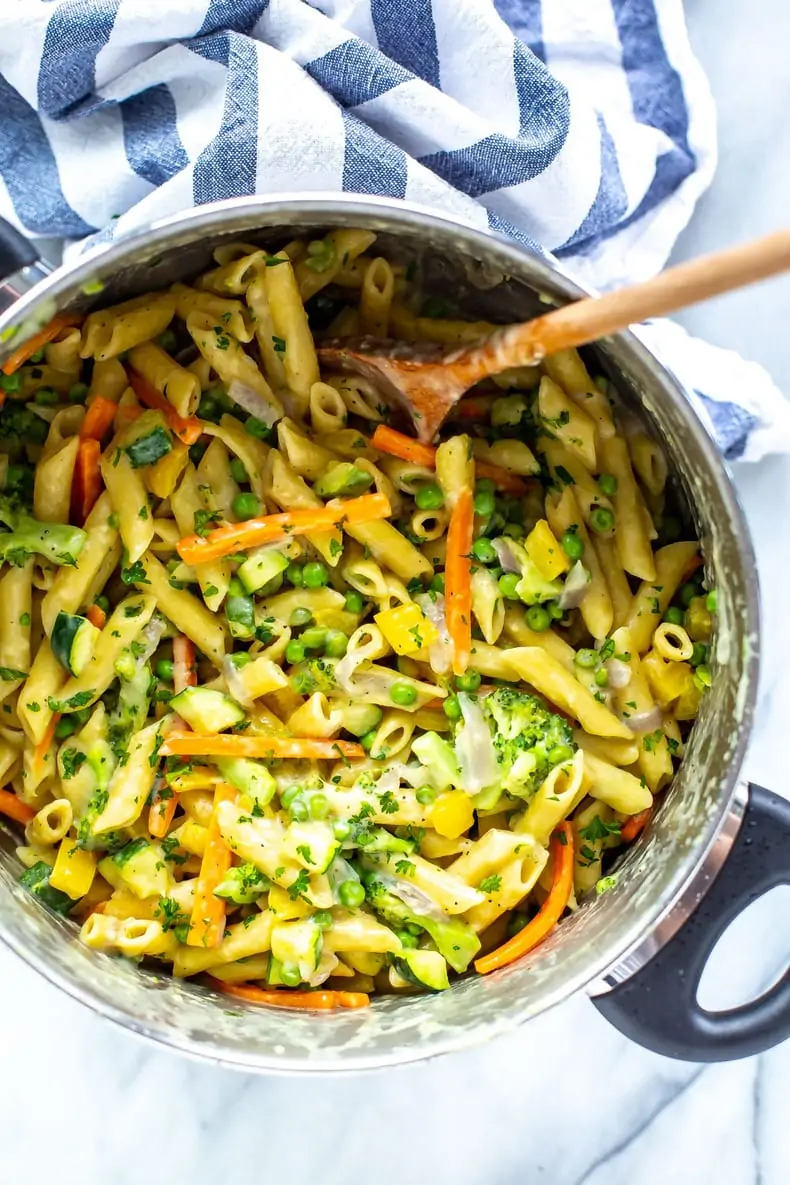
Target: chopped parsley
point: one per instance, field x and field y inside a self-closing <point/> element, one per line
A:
<point x="300" y="886"/>
<point x="70" y="761"/>
<point x="490" y="884"/>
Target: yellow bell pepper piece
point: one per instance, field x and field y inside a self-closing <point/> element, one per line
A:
<point x="163" y="476"/>
<point x="284" y="908"/>
<point x="406" y="628"/>
<point x="546" y="552"/>
<point x="74" y="869"/>
<point x="452" y="814"/>
<point x="667" y="680"/>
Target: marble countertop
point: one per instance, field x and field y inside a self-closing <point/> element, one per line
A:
<point x="566" y="1100"/>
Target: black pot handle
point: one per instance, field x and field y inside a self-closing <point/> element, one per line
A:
<point x="16" y="251"/>
<point x="657" y="1006"/>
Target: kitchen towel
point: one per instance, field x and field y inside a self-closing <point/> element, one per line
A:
<point x="584" y="128"/>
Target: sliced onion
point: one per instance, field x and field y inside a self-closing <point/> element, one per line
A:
<point x="619" y="673"/>
<point x="474" y="747"/>
<point x="508" y="560"/>
<point x="326" y="965"/>
<point x="642" y="722"/>
<point x="440" y="652"/>
<point x="151" y="636"/>
<point x="268" y="410"/>
<point x="576" y="587"/>
<point x="235" y="683"/>
<point x="416" y="899"/>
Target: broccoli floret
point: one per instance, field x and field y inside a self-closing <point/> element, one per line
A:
<point x="532" y="588"/>
<point x="20" y="426"/>
<point x="453" y="939"/>
<point x="529" y="740"/>
<point x="57" y="542"/>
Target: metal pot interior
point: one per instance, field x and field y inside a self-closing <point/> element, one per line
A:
<point x="498" y="281"/>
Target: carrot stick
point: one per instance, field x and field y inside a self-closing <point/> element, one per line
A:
<point x="161" y="811"/>
<point x="87" y="483"/>
<point x="207" y="923"/>
<point x="474" y="407"/>
<point x="15" y="809"/>
<point x="21" y="354"/>
<point x="42" y="748"/>
<point x="184" y="673"/>
<point x="185" y="744"/>
<point x="635" y="826"/>
<point x="198" y="549"/>
<point x="550" y="911"/>
<point x="287" y="998"/>
<point x="387" y="440"/>
<point x="96" y="616"/>
<point x="98" y="418"/>
<point x="457" y="579"/>
<point x="187" y="430"/>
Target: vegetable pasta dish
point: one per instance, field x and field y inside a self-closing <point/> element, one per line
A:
<point x="294" y="703"/>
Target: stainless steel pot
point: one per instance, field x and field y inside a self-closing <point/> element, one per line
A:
<point x="639" y="949"/>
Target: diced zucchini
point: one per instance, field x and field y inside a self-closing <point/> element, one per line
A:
<point x="147" y="440"/>
<point x="73" y="641"/>
<point x="341" y="477"/>
<point x="243" y="884"/>
<point x="439" y="759"/>
<point x="358" y="718"/>
<point x="139" y="866"/>
<point x="298" y="944"/>
<point x="274" y="974"/>
<point x="240" y="612"/>
<point x="36" y="881"/>
<point x="313" y="844"/>
<point x="456" y="941"/>
<point x="206" y="710"/>
<point x="427" y="968"/>
<point x="378" y="839"/>
<point x="261" y="567"/>
<point x="249" y="776"/>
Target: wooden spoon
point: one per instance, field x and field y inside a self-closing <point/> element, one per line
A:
<point x="428" y="380"/>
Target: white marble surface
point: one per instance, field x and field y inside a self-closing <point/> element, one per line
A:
<point x="566" y="1100"/>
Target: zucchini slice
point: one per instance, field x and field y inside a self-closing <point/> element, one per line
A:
<point x="206" y="710"/>
<point x="73" y="641"/>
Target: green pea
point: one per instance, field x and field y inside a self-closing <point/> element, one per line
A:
<point x="196" y="451"/>
<point x="538" y="618"/>
<point x="315" y="574"/>
<point x="322" y="919"/>
<point x="367" y="740"/>
<point x="300" y="618"/>
<point x="602" y="677"/>
<point x="102" y="603"/>
<point x="238" y="471"/>
<point x="245" y="506"/>
<point x="407" y="940"/>
<point x="607" y="483"/>
<point x="11" y="383"/>
<point x="508" y="583"/>
<point x="319" y="806"/>
<point x="65" y="727"/>
<point x="294" y="651"/>
<point x="241" y="659"/>
<point x="437" y="583"/>
<point x="78" y="393"/>
<point x="295" y="575"/>
<point x="336" y="644"/>
<point x="46" y="397"/>
<point x="699" y="655"/>
<point x="290" y="975"/>
<point x="485" y="501"/>
<point x="688" y="592"/>
<point x="164" y="670"/>
<point x="484" y="551"/>
<point x="452" y="708"/>
<point x="430" y="497"/>
<point x="207" y="409"/>
<point x="712" y="601"/>
<point x="355" y="602"/>
<point x="167" y="340"/>
<point x="341" y="829"/>
<point x="299" y="810"/>
<point x="257" y="428"/>
<point x="702" y="677"/>
<point x="601" y="519"/>
<point x="426" y="795"/>
<point x="516" y="923"/>
<point x="560" y="753"/>
<point x="289" y="794"/>
<point x="403" y="694"/>
<point x="469" y="681"/>
<point x="555" y="613"/>
<point x="513" y="531"/>
<point x="351" y="894"/>
<point x="37" y="357"/>
<point x="314" y="637"/>
<point x="674" y="615"/>
<point x="587" y="659"/>
<point x="572" y="544"/>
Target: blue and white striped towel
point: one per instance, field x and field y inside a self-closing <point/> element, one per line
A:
<point x="590" y="132"/>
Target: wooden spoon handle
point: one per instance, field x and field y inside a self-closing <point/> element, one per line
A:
<point x="586" y="320"/>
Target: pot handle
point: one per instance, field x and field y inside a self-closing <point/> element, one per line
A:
<point x="16" y="252"/>
<point x="657" y="1006"/>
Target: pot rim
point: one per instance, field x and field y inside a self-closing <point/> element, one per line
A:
<point x="652" y="926"/>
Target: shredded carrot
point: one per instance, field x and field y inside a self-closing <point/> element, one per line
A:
<point x="127" y="413"/>
<point x="160" y="813"/>
<point x="15" y="809"/>
<point x="287" y="998"/>
<point x="98" y="418"/>
<point x="42" y="748"/>
<point x="457" y="579"/>
<point x="187" y="430"/>
<point x="635" y="825"/>
<point x="87" y="483"/>
<point x="185" y="744"/>
<point x="550" y="911"/>
<point x="21" y="354"/>
<point x="184" y="673"/>
<point x="96" y="616"/>
<point x="474" y="407"/>
<point x="198" y="549"/>
<point x="207" y="923"/>
<point x="387" y="440"/>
